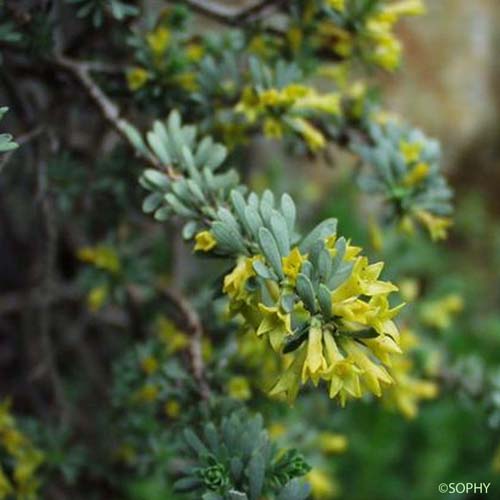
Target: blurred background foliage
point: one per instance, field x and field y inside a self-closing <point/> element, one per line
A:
<point x="93" y="353"/>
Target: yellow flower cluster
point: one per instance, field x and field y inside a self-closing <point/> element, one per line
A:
<point x="337" y="351"/>
<point x="285" y="107"/>
<point x="24" y="459"/>
<point x="376" y="40"/>
<point x="439" y="314"/>
<point x="101" y="256"/>
<point x="408" y="390"/>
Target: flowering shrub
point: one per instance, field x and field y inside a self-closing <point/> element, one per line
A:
<point x="209" y="327"/>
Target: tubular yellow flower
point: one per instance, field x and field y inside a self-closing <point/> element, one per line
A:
<point x="406" y="8"/>
<point x="172" y="409"/>
<point x="235" y="281"/>
<point x="147" y="394"/>
<point x="437" y="226"/>
<point x="276" y="324"/>
<point x="410" y="150"/>
<point x="337" y="4"/>
<point x="149" y="365"/>
<point x="331" y="443"/>
<point x="273" y="128"/>
<point x="417" y="174"/>
<point x="101" y="256"/>
<point x="408" y="390"/>
<point x="292" y="263"/>
<point x="439" y="314"/>
<point x="239" y="388"/>
<point x="322" y="485"/>
<point x="96" y="297"/>
<point x="137" y="78"/>
<point x="315" y="363"/>
<point x="372" y="374"/>
<point x="158" y="40"/>
<point x="204" y="241"/>
<point x="194" y="52"/>
<point x="313" y="137"/>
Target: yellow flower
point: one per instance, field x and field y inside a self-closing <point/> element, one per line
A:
<point x="416" y="175"/>
<point x="437" y="226"/>
<point x="273" y="128"/>
<point x="313" y="137"/>
<point x="194" y="52"/>
<point x="275" y="324"/>
<point x="239" y="388"/>
<point x="315" y="363"/>
<point x="158" y="40"/>
<point x="373" y="375"/>
<point x="410" y="150"/>
<point x="276" y="430"/>
<point x="288" y="383"/>
<point x="324" y="103"/>
<point x="408" y="390"/>
<point x="409" y="289"/>
<point x="235" y="281"/>
<point x="331" y="443"/>
<point x="376" y="236"/>
<point x="205" y="241"/>
<point x="439" y="314"/>
<point x="337" y="4"/>
<point x="406" y="8"/>
<point x="137" y="78"/>
<point x="188" y="81"/>
<point x="322" y="485"/>
<point x="96" y="297"/>
<point x="174" y="339"/>
<point x="148" y="393"/>
<point x="292" y="263"/>
<point x="149" y="365"/>
<point x="101" y="256"/>
<point x="172" y="409"/>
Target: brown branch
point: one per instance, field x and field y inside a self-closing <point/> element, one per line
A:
<point x="229" y="15"/>
<point x="191" y="322"/>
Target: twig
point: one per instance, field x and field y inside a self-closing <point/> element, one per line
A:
<point x="109" y="110"/>
<point x="191" y="322"/>
<point x="228" y="15"/>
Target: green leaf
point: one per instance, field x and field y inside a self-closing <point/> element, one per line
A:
<point x="151" y="202"/>
<point x="289" y="211"/>
<point x="306" y="292"/>
<point x="279" y="229"/>
<point x="155" y="179"/>
<point x="194" y="442"/>
<point x="262" y="270"/>
<point x="294" y="490"/>
<point x="254" y="220"/>
<point x="227" y="238"/>
<point x="256" y="471"/>
<point x="178" y="207"/>
<point x="186" y="484"/>
<point x="216" y="156"/>
<point x="324" y="229"/>
<point x="325" y="300"/>
<point x="270" y="250"/>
